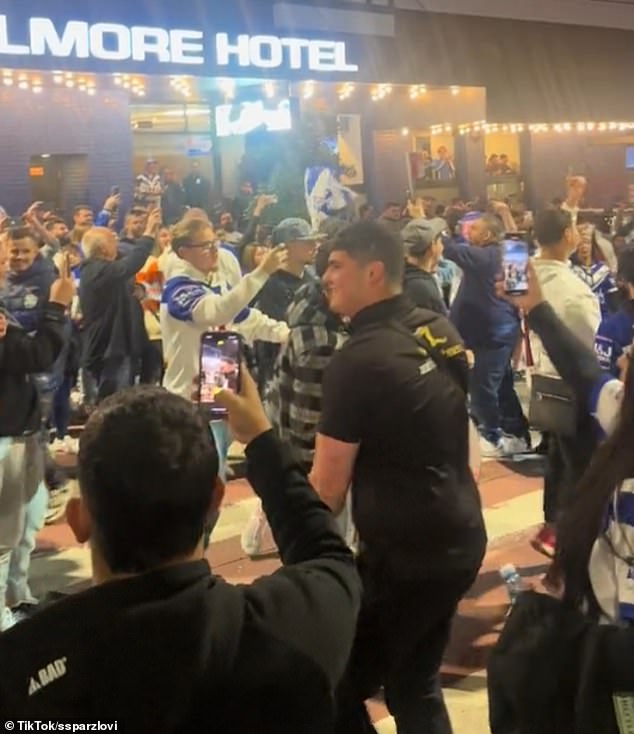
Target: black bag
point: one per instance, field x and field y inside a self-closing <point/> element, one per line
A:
<point x="553" y="406"/>
<point x="535" y="668"/>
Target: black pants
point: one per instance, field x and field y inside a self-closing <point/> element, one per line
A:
<point x="402" y="633"/>
<point x="568" y="459"/>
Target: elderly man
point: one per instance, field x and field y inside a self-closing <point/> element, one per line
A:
<point x="106" y="299"/>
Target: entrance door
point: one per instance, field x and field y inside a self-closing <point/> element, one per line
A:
<point x="60" y="181"/>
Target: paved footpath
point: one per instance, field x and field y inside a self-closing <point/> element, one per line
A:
<point x="512" y="506"/>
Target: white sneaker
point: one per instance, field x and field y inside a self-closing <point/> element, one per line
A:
<point x="7" y="620"/>
<point x="514" y="445"/>
<point x="57" y="501"/>
<point x="58" y="447"/>
<point x="489" y="450"/>
<point x="71" y="444"/>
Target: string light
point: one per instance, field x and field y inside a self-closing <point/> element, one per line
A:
<point x="455" y="91"/>
<point x="417" y="90"/>
<point x="346" y="91"/>
<point x="381" y="92"/>
<point x="541" y="127"/>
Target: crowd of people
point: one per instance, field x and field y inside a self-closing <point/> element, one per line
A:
<point x="381" y="358"/>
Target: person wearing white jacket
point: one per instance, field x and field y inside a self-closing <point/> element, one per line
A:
<point x="577" y="306"/>
<point x="201" y="293"/>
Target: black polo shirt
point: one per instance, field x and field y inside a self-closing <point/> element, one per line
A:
<point x="415" y="502"/>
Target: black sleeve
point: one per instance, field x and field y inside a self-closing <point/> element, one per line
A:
<point x="23" y="353"/>
<point x="576" y="363"/>
<point x="344" y="398"/>
<point x="313" y="601"/>
<point x="129" y="265"/>
<point x="249" y="236"/>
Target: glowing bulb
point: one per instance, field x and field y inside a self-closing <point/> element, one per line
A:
<point x="23" y="85"/>
<point x="8" y="82"/>
<point x="37" y="89"/>
<point x="269" y="90"/>
<point x="405" y="131"/>
<point x="455" y="91"/>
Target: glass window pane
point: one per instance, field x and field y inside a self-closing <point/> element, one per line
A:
<point x="198" y="118"/>
<point x="164" y="118"/>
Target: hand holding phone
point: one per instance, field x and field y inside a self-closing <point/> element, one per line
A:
<point x="515" y="258"/>
<point x="221" y="357"/>
<point x="247" y="419"/>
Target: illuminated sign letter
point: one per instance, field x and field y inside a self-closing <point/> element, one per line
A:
<point x="45" y="39"/>
<point x="187" y="47"/>
<point x="295" y="46"/>
<point x="13" y="49"/>
<point x="150" y="41"/>
<point x="123" y="45"/>
<point x="224" y="50"/>
<point x="265" y="52"/>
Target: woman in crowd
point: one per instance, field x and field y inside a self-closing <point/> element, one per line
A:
<point x="589" y="264"/>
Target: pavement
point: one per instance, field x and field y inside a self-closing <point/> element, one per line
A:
<point x="512" y="502"/>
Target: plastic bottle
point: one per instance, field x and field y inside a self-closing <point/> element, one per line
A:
<point x="513" y="582"/>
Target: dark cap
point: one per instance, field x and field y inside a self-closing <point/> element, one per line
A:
<point x="420" y="234"/>
<point x="295" y="230"/>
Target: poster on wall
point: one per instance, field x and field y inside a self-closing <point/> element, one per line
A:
<point x="349" y="148"/>
<point x="197" y="145"/>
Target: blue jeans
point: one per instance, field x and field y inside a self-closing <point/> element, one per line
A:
<point x="494" y="402"/>
<point x="18" y="589"/>
<point x="112" y="375"/>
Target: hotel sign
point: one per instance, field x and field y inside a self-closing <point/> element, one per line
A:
<point x="186" y="49"/>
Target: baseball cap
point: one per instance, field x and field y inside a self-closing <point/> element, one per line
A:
<point x="420" y="234"/>
<point x="294" y="230"/>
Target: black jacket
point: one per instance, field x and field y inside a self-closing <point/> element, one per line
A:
<point x="180" y="650"/>
<point x="421" y="287"/>
<point x="21" y="355"/>
<point x="110" y="312"/>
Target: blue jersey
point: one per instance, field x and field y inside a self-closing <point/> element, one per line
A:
<point x="600" y="281"/>
<point x="615" y="333"/>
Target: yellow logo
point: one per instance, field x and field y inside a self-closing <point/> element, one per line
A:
<point x="424" y="333"/>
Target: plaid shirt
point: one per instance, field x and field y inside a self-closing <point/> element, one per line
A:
<point x="295" y="392"/>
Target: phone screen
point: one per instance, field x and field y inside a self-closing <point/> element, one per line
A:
<point x="515" y="266"/>
<point x="220" y="360"/>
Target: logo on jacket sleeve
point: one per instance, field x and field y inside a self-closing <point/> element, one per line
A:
<point x="182" y="295"/>
<point x="47" y="675"/>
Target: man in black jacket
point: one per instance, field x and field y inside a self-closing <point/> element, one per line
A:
<point x="109" y="338"/>
<point x="21" y="355"/>
<point x="423" y="251"/>
<point x="394" y="427"/>
<point x="160" y="643"/>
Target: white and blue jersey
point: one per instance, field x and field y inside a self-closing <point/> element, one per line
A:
<point x="615" y="333"/>
<point x="600" y="280"/>
<point x="190" y="306"/>
<point x="611" y="567"/>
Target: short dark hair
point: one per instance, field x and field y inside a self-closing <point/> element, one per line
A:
<point x="550" y="226"/>
<point x="50" y="223"/>
<point x="137" y="211"/>
<point x="81" y="207"/>
<point x="147" y="468"/>
<point x="391" y="205"/>
<point x="365" y="241"/>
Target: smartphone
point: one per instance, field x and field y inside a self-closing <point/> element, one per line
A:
<point x="221" y="356"/>
<point x="515" y="257"/>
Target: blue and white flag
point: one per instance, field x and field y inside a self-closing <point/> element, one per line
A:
<point x="325" y="194"/>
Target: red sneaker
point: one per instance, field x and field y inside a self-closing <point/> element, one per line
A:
<point x="545" y="541"/>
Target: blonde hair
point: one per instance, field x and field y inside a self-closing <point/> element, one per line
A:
<point x="93" y="241"/>
<point x="188" y="230"/>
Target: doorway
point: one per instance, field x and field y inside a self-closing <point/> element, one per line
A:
<point x="60" y="181"/>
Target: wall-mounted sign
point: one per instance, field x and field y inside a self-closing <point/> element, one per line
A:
<point x="189" y="50"/>
<point x="36" y="171"/>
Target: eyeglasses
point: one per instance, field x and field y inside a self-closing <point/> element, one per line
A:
<point x="205" y="246"/>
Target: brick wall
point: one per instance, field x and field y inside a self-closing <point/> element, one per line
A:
<point x="65" y="122"/>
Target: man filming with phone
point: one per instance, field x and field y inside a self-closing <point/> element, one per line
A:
<point x="193" y="302"/>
